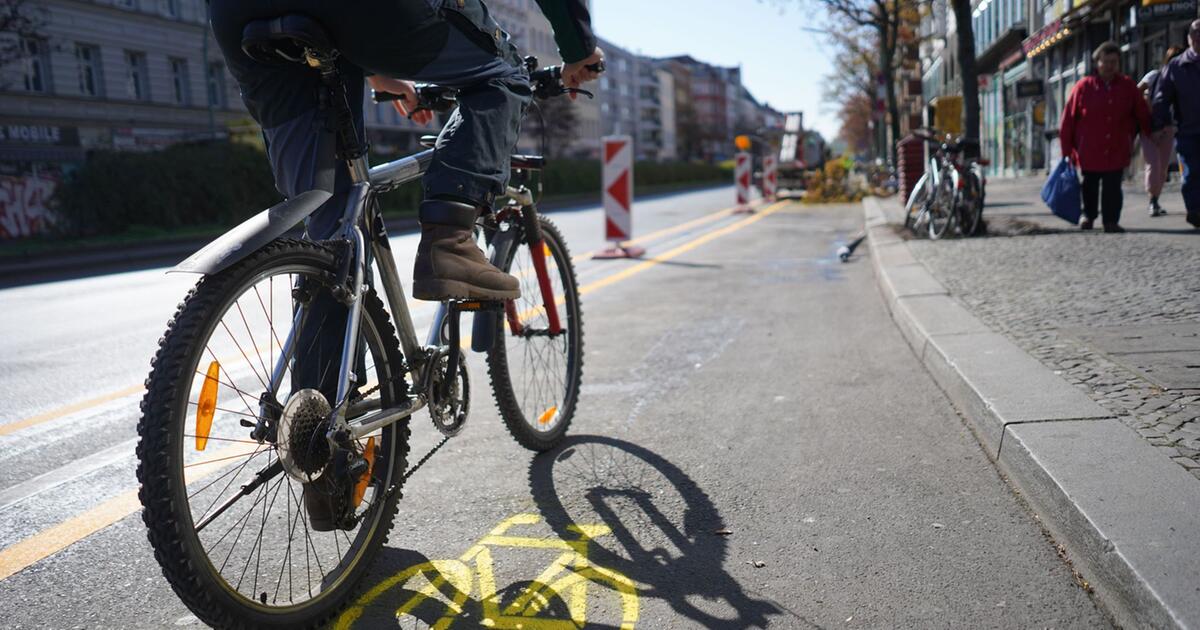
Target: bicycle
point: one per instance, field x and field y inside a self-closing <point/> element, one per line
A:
<point x="950" y="194"/>
<point x="225" y="374"/>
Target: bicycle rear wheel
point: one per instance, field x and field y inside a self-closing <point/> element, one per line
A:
<point x="535" y="373"/>
<point x="971" y="209"/>
<point x="228" y="514"/>
<point x="941" y="210"/>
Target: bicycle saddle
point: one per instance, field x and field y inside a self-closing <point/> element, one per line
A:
<point x="284" y="38"/>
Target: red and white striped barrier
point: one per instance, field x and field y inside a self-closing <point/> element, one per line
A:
<point x="770" y="177"/>
<point x="618" y="198"/>
<point x="741" y="178"/>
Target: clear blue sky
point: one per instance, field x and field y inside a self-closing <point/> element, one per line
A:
<point x="781" y="63"/>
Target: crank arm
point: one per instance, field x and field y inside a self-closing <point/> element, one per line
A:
<point x="367" y="424"/>
<point x="262" y="477"/>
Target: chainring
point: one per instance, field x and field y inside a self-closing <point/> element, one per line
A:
<point x="449" y="413"/>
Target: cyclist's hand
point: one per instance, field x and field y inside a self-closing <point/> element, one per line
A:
<point x="408" y="97"/>
<point x="578" y="73"/>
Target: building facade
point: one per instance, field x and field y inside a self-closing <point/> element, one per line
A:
<point x="1030" y="54"/>
<point x="120" y="75"/>
<point x="636" y="98"/>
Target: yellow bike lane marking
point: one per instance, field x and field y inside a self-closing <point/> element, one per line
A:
<point x="472" y="577"/>
<point x="47" y="542"/>
<point x="53" y="414"/>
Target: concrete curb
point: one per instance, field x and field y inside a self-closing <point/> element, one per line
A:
<point x="1128" y="517"/>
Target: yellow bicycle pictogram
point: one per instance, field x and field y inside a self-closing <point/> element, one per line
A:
<point x="452" y="584"/>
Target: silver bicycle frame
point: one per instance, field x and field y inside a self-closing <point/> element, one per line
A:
<point x="369" y="182"/>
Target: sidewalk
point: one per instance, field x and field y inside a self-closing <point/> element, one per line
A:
<point x="1117" y="315"/>
<point x="1075" y="358"/>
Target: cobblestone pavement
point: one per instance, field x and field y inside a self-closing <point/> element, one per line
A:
<point x="1049" y="289"/>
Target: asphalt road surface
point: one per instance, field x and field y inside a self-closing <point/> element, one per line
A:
<point x="755" y="446"/>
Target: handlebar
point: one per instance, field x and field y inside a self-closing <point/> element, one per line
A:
<point x="546" y="82"/>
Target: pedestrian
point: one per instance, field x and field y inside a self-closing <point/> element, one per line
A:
<point x="1177" y="110"/>
<point x="1101" y="117"/>
<point x="1157" y="148"/>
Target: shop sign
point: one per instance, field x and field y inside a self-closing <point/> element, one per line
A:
<point x="1028" y="88"/>
<point x="1166" y="10"/>
<point x="43" y="135"/>
<point x="1043" y="37"/>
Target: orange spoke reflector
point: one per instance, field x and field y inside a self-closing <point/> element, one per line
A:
<point x="207" y="405"/>
<point x="548" y="415"/>
<point x="546" y="249"/>
<point x="360" y="488"/>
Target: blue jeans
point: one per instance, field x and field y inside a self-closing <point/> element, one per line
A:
<point x="1189" y="158"/>
<point x="454" y="43"/>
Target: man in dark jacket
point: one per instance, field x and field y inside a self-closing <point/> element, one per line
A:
<point x="454" y="43"/>
<point x="1177" y="104"/>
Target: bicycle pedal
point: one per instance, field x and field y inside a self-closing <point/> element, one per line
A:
<point x="472" y="306"/>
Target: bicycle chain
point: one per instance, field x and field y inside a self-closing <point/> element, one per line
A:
<point x="413" y="469"/>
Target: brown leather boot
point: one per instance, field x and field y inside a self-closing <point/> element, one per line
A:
<point x="449" y="264"/>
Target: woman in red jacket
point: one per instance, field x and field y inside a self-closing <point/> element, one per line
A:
<point x="1101" y="118"/>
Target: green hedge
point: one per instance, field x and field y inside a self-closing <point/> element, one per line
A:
<point x="220" y="184"/>
<point x="181" y="186"/>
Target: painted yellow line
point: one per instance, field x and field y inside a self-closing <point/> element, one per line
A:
<point x="708" y="218"/>
<point x="13" y="427"/>
<point x="59" y="537"/>
<point x="682" y="249"/>
<point x="54" y="539"/>
<point x="22" y="554"/>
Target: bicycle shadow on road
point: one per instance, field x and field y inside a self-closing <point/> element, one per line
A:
<point x="666" y="534"/>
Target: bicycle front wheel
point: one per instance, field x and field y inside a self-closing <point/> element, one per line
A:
<point x="228" y="514"/>
<point x="916" y="209"/>
<point x="535" y="372"/>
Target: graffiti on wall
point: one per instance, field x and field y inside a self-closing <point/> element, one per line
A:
<point x="25" y="203"/>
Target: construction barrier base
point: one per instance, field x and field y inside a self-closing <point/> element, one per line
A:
<point x="745" y="210"/>
<point x="620" y="251"/>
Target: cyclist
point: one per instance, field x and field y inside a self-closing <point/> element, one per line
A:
<point x="454" y="43"/>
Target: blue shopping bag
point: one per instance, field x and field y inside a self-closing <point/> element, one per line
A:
<point x="1061" y="193"/>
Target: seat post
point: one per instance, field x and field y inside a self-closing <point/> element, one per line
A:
<point x="349" y="147"/>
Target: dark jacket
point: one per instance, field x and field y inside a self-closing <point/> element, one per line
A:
<point x="572" y="26"/>
<point x="1099" y="122"/>
<point x="1179" y="90"/>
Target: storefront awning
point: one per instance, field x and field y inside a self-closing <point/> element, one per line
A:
<point x="988" y="60"/>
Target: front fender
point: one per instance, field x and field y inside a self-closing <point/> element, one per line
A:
<point x="253" y="234"/>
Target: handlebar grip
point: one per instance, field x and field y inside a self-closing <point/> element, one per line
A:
<point x="385" y="97"/>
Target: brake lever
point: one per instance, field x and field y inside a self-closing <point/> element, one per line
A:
<point x="578" y="91"/>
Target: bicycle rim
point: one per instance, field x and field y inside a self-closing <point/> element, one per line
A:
<point x="259" y="562"/>
<point x="941" y="211"/>
<point x="536" y="374"/>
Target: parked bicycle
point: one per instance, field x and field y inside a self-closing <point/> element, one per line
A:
<point x="950" y="195"/>
<point x="232" y="446"/>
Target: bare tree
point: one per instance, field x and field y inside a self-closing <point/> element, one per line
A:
<point x="850" y="87"/>
<point x="967" y="70"/>
<point x="554" y="125"/>
<point x="885" y="19"/>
